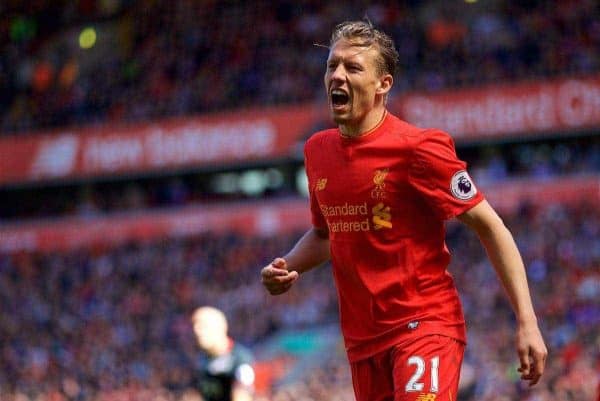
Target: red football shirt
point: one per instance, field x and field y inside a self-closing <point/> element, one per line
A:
<point x="384" y="197"/>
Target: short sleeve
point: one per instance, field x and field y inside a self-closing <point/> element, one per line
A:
<point x="244" y="372"/>
<point x="318" y="221"/>
<point x="245" y="375"/>
<point x="440" y="177"/>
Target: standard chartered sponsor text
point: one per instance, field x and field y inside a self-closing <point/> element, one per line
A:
<point x="341" y="226"/>
<point x="343" y="210"/>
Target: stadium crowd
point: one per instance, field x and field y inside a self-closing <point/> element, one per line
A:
<point x="154" y="59"/>
<point x="99" y="324"/>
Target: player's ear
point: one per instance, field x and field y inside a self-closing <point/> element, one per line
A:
<point x="385" y="84"/>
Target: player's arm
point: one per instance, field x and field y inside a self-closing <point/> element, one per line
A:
<point x="506" y="259"/>
<point x="241" y="393"/>
<point x="309" y="252"/>
<point x="243" y="385"/>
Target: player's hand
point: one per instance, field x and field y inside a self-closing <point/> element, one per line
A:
<point x="532" y="352"/>
<point x="276" y="278"/>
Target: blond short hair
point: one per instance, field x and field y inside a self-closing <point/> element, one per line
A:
<point x="363" y="34"/>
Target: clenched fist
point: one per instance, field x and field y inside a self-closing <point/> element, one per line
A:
<point x="276" y="277"/>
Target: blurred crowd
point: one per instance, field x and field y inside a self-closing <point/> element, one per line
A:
<point x="101" y="324"/>
<point x="149" y="59"/>
<point x="98" y="320"/>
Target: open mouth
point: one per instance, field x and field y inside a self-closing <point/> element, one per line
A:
<point x="339" y="97"/>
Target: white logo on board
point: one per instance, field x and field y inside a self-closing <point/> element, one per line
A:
<point x="55" y="157"/>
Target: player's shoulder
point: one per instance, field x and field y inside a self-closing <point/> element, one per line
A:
<point x="417" y="134"/>
<point x="435" y="137"/>
<point x="242" y="353"/>
<point x="321" y="138"/>
<point x="418" y="137"/>
<point x="323" y="135"/>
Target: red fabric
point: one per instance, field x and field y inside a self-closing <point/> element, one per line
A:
<point x="426" y="369"/>
<point x="384" y="197"/>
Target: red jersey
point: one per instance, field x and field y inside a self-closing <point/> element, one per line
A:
<point x="384" y="197"/>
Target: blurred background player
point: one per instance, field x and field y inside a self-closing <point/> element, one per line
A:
<point x="225" y="370"/>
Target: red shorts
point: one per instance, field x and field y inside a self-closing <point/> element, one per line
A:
<point x="426" y="369"/>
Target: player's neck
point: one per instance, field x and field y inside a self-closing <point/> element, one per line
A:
<point x="221" y="348"/>
<point x="371" y="121"/>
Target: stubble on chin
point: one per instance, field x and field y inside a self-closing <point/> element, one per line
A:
<point x="339" y="118"/>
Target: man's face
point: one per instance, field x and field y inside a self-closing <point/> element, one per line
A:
<point x="208" y="328"/>
<point x="351" y="81"/>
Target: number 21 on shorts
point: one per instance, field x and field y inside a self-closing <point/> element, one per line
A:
<point x="414" y="383"/>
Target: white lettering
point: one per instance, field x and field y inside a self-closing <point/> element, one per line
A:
<point x="112" y="154"/>
<point x="188" y="144"/>
<point x="536" y="108"/>
<point x="202" y="143"/>
<point x="579" y="103"/>
<point x="56" y="157"/>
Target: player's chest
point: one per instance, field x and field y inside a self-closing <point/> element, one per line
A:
<point x="366" y="179"/>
